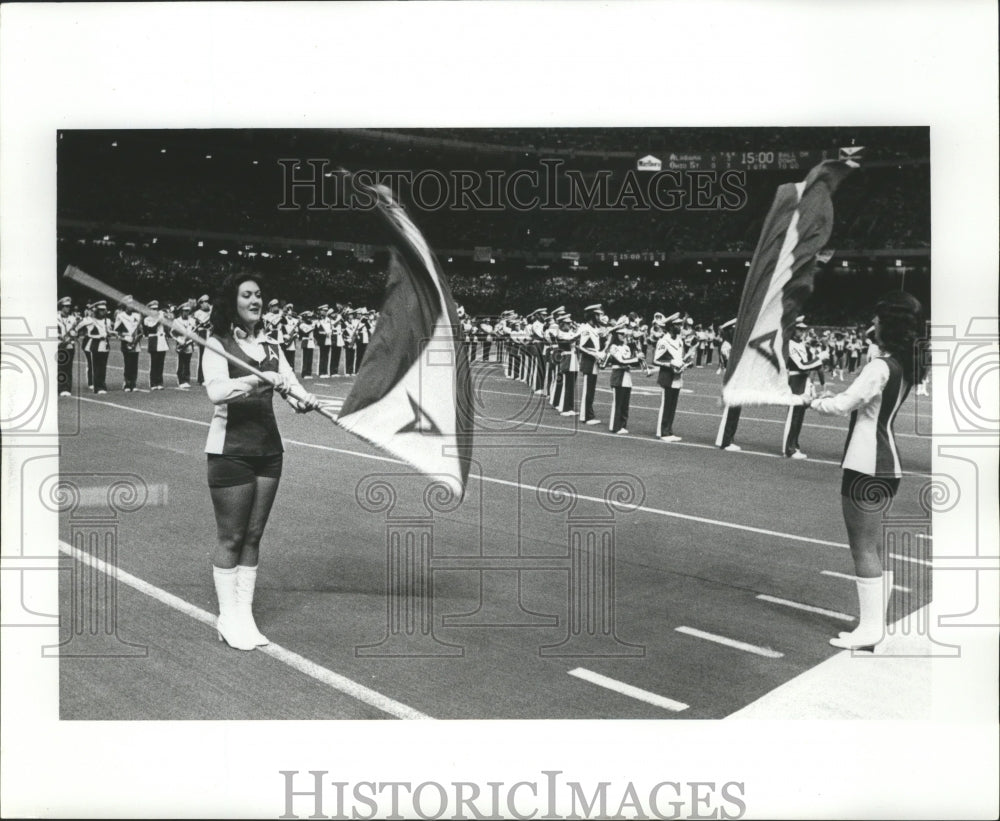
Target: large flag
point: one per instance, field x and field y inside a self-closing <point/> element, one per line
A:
<point x="778" y="283"/>
<point x="413" y="396"/>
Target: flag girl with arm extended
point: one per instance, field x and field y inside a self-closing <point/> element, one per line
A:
<point x="871" y="461"/>
<point x="244" y="449"/>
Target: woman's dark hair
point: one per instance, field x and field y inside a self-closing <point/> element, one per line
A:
<point x="224" y="314"/>
<point x="901" y="327"/>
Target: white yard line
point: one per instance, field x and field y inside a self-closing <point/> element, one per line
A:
<point x="294" y="660"/>
<point x="629" y="690"/>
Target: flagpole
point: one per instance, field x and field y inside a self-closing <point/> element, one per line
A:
<point x="80" y="277"/>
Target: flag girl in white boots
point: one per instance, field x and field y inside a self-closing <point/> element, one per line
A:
<point x="871" y="460"/>
<point x="244" y="449"/>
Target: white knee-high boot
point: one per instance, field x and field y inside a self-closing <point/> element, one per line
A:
<point x="246" y="583"/>
<point x="871" y="620"/>
<point x="888" y="578"/>
<point x="230" y="625"/>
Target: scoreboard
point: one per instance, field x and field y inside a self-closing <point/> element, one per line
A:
<point x="768" y="160"/>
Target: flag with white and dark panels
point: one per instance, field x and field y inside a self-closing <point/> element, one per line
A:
<point x="778" y="284"/>
<point x="412" y="396"/>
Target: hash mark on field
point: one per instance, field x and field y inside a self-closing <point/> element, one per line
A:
<point x="766" y="652"/>
<point x="833" y="614"/>
<point x="629" y="690"/>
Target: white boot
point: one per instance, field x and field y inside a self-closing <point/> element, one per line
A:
<point x="246" y="582"/>
<point x="871" y="621"/>
<point x="888" y="578"/>
<point x="229" y="625"/>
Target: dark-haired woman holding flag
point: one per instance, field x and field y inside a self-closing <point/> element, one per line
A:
<point x="871" y="460"/>
<point x="244" y="448"/>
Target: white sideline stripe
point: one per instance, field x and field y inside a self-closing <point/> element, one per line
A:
<point x="629" y="690"/>
<point x="833" y="614"/>
<point x="837" y="575"/>
<point x="490" y="480"/>
<point x="643" y="390"/>
<point x="206" y="424"/>
<point x="645" y="439"/>
<point x="294" y="660"/>
<point x="766" y="652"/>
<point x="635" y="406"/>
<point x="651" y="438"/>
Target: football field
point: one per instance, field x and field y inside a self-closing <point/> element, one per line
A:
<point x="585" y="575"/>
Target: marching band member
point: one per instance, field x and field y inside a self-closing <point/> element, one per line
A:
<point x="324" y="339"/>
<point x="352" y="327"/>
<point x="730" y="413"/>
<point x="839" y="344"/>
<point x="656" y="329"/>
<point x="519" y="341"/>
<point x="273" y="323"/>
<point x="688" y="336"/>
<point x="364" y="336"/>
<point x="503" y="347"/>
<point x="550" y="354"/>
<point x="338" y="323"/>
<point x="128" y="326"/>
<point x="184" y="346"/>
<point x="67" y="346"/>
<point x="555" y="357"/>
<point x="202" y="327"/>
<point x="800" y="364"/>
<point x="669" y="356"/>
<point x="701" y="345"/>
<point x="871" y="461"/>
<point x="710" y="346"/>
<point x="636" y="333"/>
<point x="537" y="343"/>
<point x="156" y="346"/>
<point x="99" y="332"/>
<point x="244" y="451"/>
<point x="289" y="331"/>
<point x="306" y="332"/>
<point x="725" y="337"/>
<point x="828" y="353"/>
<point x="468" y="338"/>
<point x="853" y="352"/>
<point x="591" y="348"/>
<point x="81" y="330"/>
<point x="486" y="335"/>
<point x="522" y="342"/>
<point x="621" y="359"/>
<point x="569" y="364"/>
<point x="818" y="351"/>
